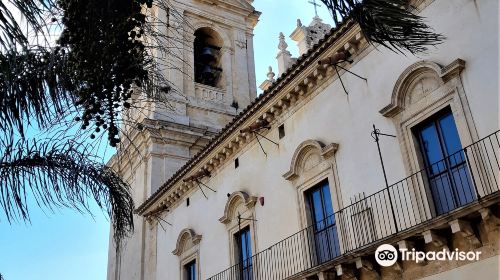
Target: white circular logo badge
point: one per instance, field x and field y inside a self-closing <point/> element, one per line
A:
<point x="386" y="255"/>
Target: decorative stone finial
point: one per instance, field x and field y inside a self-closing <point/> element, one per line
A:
<point x="282" y="45"/>
<point x="269" y="81"/>
<point x="270" y="74"/>
<point x="299" y="23"/>
<point x="284" y="57"/>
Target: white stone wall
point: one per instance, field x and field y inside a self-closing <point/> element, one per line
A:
<point x="486" y="269"/>
<point x="331" y="116"/>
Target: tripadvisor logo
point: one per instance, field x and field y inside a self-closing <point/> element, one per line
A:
<point x="387" y="255"/>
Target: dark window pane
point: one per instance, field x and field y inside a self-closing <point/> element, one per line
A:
<point x="450" y="134"/>
<point x="324" y="231"/>
<point x="245" y="253"/>
<point x="432" y="148"/>
<point x="327" y="203"/>
<point x="317" y="209"/>
<point x="190" y="270"/>
<point x="449" y="179"/>
<point x="244" y="247"/>
<point x="465" y="189"/>
<point x="443" y="193"/>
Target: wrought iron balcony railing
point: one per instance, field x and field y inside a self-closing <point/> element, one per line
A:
<point x="462" y="178"/>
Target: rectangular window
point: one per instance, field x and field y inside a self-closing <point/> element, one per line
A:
<point x="244" y="253"/>
<point x="445" y="162"/>
<point x="324" y="227"/>
<point x="236" y="162"/>
<point x="190" y="271"/>
<point x="281" y="131"/>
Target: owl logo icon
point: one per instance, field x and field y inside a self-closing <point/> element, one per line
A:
<point x="386" y="255"/>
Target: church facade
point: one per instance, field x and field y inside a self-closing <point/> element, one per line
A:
<point x="352" y="146"/>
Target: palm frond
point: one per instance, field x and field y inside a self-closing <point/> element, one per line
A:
<point x="387" y="22"/>
<point x="33" y="88"/>
<point x="61" y="174"/>
<point x="36" y="14"/>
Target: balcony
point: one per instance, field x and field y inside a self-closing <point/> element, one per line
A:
<point x="209" y="94"/>
<point x="447" y="189"/>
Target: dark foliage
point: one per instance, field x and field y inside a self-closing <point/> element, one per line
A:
<point x="387" y="22"/>
<point x="36" y="76"/>
<point x="106" y="57"/>
<point x="98" y="58"/>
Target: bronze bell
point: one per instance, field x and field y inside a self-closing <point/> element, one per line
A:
<point x="208" y="72"/>
<point x="208" y="54"/>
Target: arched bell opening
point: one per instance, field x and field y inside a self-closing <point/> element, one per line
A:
<point x="207" y="57"/>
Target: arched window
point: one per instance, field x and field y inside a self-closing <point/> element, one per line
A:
<point x="430" y="110"/>
<point x="313" y="173"/>
<point x="187" y="249"/>
<point x="239" y="219"/>
<point x="207" y="57"/>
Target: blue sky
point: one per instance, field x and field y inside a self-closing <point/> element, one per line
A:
<point x="68" y="245"/>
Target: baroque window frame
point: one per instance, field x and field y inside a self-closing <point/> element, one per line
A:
<point x="239" y="200"/>
<point x="440" y="87"/>
<point x="188" y="249"/>
<point x="312" y="163"/>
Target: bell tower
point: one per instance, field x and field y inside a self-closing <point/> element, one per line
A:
<point x="212" y="73"/>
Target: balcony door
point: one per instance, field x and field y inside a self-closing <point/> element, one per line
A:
<point x="190" y="271"/>
<point x="244" y="251"/>
<point x="324" y="227"/>
<point x="446" y="165"/>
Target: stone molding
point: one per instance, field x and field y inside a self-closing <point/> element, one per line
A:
<point x="303" y="150"/>
<point x="235" y="200"/>
<point x="185" y="236"/>
<point x="230" y="5"/>
<point x="413" y="72"/>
